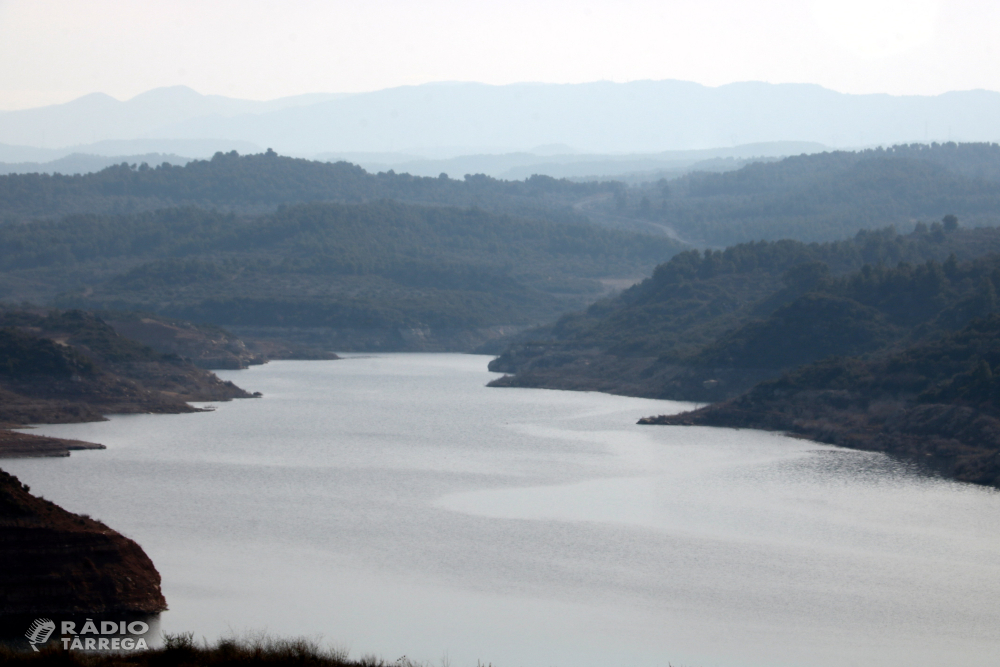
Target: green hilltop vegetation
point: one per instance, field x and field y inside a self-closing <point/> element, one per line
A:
<point x="707" y="326"/>
<point x="23" y="356"/>
<point x="325" y="253"/>
<point x="260" y="183"/>
<point x="280" y="246"/>
<point x="376" y="267"/>
<point x="825" y="196"/>
<point x="819" y="197"/>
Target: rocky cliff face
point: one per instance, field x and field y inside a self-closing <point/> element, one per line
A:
<point x="55" y="563"/>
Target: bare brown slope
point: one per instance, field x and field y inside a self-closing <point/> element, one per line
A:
<point x="58" y="563"/>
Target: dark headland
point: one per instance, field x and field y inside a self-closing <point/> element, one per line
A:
<point x="56" y="563"/>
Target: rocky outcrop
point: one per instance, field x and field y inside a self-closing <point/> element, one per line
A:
<point x="55" y="563"/>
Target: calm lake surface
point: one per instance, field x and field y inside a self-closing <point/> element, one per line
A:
<point x="395" y="505"/>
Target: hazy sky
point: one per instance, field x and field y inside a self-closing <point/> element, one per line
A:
<point x="55" y="50"/>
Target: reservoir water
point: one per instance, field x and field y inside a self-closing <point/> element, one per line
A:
<point x="394" y="505"/>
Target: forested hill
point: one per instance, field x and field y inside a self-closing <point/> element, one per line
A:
<point x="981" y="161"/>
<point x="707" y="326"/>
<point x="379" y="268"/>
<point x="258" y="183"/>
<point x="818" y="197"/>
<point x="825" y="196"/>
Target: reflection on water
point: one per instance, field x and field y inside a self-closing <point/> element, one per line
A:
<point x="396" y="505"/>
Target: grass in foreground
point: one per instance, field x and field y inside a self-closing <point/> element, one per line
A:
<point x="182" y="651"/>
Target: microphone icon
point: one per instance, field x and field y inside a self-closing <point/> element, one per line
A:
<point x="39" y="632"/>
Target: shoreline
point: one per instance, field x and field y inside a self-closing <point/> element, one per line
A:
<point x="17" y="445"/>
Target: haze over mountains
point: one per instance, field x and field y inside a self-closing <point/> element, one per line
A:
<point x="644" y="116"/>
<point x="567" y="129"/>
<point x="629" y="167"/>
<point x="98" y="117"/>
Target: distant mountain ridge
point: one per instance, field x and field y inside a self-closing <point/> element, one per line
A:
<point x="600" y="117"/>
<point x="99" y="117"/>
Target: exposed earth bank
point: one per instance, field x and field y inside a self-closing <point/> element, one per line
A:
<point x="57" y="563"/>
